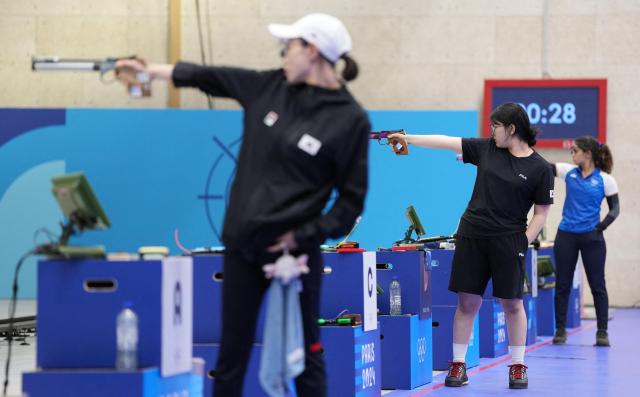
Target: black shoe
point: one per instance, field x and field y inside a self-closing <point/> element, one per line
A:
<point x="518" y="376"/>
<point x="602" y="338"/>
<point x="457" y="375"/>
<point x="561" y="337"/>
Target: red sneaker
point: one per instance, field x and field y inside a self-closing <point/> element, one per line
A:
<point x="457" y="375"/>
<point x="518" y="376"/>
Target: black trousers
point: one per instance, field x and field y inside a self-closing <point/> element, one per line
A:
<point x="242" y="292"/>
<point x="593" y="250"/>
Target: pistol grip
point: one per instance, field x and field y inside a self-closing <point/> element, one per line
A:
<point x="399" y="146"/>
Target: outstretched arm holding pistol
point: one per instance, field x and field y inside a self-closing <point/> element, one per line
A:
<point x="428" y="141"/>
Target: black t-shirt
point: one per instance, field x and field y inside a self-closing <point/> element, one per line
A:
<point x="506" y="187"/>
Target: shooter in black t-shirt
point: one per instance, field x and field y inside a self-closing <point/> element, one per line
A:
<point x="493" y="235"/>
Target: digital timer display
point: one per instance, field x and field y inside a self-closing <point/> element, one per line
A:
<point x="562" y="110"/>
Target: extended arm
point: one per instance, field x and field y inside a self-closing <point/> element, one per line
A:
<point x="433" y="141"/>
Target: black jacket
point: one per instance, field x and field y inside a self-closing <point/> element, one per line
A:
<point x="300" y="142"/>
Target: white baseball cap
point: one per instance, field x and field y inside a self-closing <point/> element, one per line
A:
<point x="324" y="31"/>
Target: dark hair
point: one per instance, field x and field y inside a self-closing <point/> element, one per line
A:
<point x="350" y="70"/>
<point x="512" y="113"/>
<point x="600" y="152"/>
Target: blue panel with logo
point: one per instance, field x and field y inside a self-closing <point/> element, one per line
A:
<point x="104" y="383"/>
<point x="413" y="271"/>
<point x="443" y="338"/>
<point x="207" y="300"/>
<point x="493" y="329"/>
<point x="352" y="359"/>
<point x="407" y="353"/>
<point x="156" y="150"/>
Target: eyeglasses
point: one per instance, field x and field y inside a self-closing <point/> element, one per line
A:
<point x="493" y="127"/>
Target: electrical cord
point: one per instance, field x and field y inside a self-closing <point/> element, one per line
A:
<point x="50" y="235"/>
<point x="12" y="313"/>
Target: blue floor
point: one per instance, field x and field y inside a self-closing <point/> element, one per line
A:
<point x="575" y="369"/>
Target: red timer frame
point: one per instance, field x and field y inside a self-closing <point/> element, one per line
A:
<point x="599" y="84"/>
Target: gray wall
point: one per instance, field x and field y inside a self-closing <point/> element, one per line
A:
<point x="414" y="54"/>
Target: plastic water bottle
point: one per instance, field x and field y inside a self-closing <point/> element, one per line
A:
<point x="127" y="338"/>
<point x="395" y="298"/>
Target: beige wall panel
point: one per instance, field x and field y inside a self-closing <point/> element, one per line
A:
<point x="377" y="41"/>
<point x="63" y="89"/>
<point x="241" y="8"/>
<point x="287" y="11"/>
<point x="617" y="39"/>
<point x="252" y="44"/>
<point x="69" y="36"/>
<point x="65" y="7"/>
<point x="252" y="41"/>
<point x="486" y="7"/>
<point x="623" y="97"/>
<point x="147" y="37"/>
<point x="17" y="88"/>
<point x="384" y="8"/>
<point x="17" y="38"/>
<point x="512" y="71"/>
<point x="385" y="87"/>
<point x="618" y="7"/>
<point x="571" y="39"/>
<point x="158" y="8"/>
<point x="573" y="7"/>
<point x="518" y="40"/>
<point x="455" y="39"/>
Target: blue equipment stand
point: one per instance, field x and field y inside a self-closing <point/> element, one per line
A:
<point x="109" y="383"/>
<point x="493" y="329"/>
<point x="412" y="269"/>
<point x="352" y="359"/>
<point x="86" y="296"/>
<point x="407" y="353"/>
<point x="443" y="339"/>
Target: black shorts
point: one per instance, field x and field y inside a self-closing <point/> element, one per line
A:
<point x="501" y="259"/>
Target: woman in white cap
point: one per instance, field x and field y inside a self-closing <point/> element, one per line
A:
<point x="304" y="136"/>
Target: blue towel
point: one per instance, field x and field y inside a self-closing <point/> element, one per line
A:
<point x="283" y="342"/>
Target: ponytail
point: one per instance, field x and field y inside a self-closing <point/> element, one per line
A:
<point x="350" y="70"/>
<point x="604" y="159"/>
<point x="600" y="152"/>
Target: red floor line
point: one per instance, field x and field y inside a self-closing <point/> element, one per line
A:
<point x="502" y="360"/>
